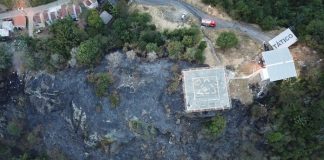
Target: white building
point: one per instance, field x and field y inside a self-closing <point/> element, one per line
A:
<point x="91" y="4"/>
<point x="8" y="25"/>
<point x="4" y="33"/>
<point x="279" y="65"/>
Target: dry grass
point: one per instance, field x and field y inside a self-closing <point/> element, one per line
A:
<point x="239" y="89"/>
<point x="166" y="17"/>
<point x="214" y="11"/>
<point x="242" y="55"/>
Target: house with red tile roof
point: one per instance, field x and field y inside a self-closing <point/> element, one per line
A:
<point x="19" y="22"/>
<point x="53" y="16"/>
<point x="63" y="12"/>
<point x="91" y="3"/>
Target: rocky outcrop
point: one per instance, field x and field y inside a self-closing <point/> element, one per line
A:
<point x="66" y="104"/>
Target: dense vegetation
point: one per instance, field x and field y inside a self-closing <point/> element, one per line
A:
<point x="297" y="116"/>
<point x="5" y="58"/>
<point x="306" y="17"/>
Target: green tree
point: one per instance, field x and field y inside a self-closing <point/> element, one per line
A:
<point x="150" y="47"/>
<point x="14" y="129"/>
<point x="5" y="58"/>
<point x="66" y="35"/>
<point x="275" y="137"/>
<point x="101" y="81"/>
<point x="94" y="21"/>
<point x="175" y="48"/>
<point x="227" y="40"/>
<point x="90" y="51"/>
<point x="199" y="55"/>
<point x="216" y="126"/>
<point x="268" y="23"/>
<point x="315" y="34"/>
<point x="188" y="41"/>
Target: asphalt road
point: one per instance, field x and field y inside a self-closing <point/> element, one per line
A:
<point x="248" y="29"/>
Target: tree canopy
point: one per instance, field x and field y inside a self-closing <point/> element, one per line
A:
<point x="94" y="21"/>
<point x="227" y="40"/>
<point x="305" y="17"/>
<point x="66" y="35"/>
<point x="90" y="51"/>
<point x="297" y="111"/>
<point x="5" y="58"/>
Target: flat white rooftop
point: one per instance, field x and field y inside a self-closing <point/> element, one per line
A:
<point x="205" y="89"/>
<point x="279" y="64"/>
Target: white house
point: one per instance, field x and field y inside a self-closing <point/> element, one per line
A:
<point x="8" y="25"/>
<point x="4" y="33"/>
<point x="279" y="65"/>
<point x="91" y="4"/>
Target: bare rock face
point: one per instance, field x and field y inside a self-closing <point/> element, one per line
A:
<point x="72" y="62"/>
<point x="152" y="56"/>
<point x="114" y="59"/>
<point x="66" y="106"/>
<point x="79" y="117"/>
<point x="131" y="54"/>
<point x="41" y="92"/>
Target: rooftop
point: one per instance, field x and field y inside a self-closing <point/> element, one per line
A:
<point x="106" y="17"/>
<point x="279" y="64"/>
<point x="205" y="89"/>
<point x="4" y="33"/>
<point x="19" y="21"/>
<point x="7" y="25"/>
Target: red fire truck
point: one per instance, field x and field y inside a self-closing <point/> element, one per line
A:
<point x="208" y="23"/>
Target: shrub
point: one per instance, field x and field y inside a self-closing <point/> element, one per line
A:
<point x="199" y="55"/>
<point x="101" y="81"/>
<point x="89" y="52"/>
<point x="94" y="21"/>
<point x="227" y="40"/>
<point x="66" y="35"/>
<point x="274" y="137"/>
<point x="216" y="126"/>
<point x="5" y="58"/>
<point x="175" y="48"/>
<point x="150" y="47"/>
<point x="114" y="99"/>
<point x="142" y="128"/>
<point x="268" y="23"/>
<point x="174" y="84"/>
<point x="188" y="41"/>
<point x="14" y="129"/>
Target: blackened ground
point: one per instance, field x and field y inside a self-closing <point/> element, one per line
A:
<point x="65" y="105"/>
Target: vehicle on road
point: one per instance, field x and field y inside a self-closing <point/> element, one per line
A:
<point x="208" y="23"/>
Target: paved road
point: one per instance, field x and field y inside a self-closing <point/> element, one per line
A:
<point x="29" y="12"/>
<point x="248" y="29"/>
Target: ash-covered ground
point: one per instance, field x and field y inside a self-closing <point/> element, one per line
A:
<point x="149" y="122"/>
